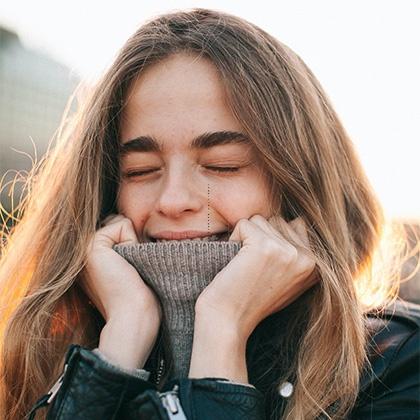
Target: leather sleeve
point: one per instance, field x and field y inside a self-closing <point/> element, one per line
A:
<point x="393" y="389"/>
<point x="92" y="388"/>
<point x="212" y="398"/>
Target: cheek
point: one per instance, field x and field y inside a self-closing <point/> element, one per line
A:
<point x="134" y="205"/>
<point x="240" y="200"/>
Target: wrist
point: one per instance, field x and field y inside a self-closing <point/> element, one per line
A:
<point x="127" y="342"/>
<point x="138" y="372"/>
<point x="218" y="351"/>
<point x="136" y="310"/>
<point x="212" y="320"/>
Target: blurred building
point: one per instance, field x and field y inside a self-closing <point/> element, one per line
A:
<point x="34" y="90"/>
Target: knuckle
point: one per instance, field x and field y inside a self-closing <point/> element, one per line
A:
<point x="127" y="222"/>
<point x="111" y="218"/>
<point x="241" y="224"/>
<point x="310" y="266"/>
<point x="271" y="249"/>
<point x="256" y="217"/>
<point x="307" y="265"/>
<point x="288" y="255"/>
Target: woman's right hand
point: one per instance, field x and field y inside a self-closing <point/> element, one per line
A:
<point x="130" y="308"/>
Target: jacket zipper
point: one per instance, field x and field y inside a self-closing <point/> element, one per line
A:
<point x="160" y="369"/>
<point x="172" y="404"/>
<point x="57" y="385"/>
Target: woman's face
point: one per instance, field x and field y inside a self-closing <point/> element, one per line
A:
<point x="187" y="168"/>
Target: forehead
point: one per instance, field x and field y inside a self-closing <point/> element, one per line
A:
<point x="179" y="78"/>
<point x="180" y="97"/>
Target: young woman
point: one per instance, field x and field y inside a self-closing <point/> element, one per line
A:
<point x="204" y="127"/>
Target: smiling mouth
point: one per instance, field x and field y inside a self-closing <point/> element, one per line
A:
<point x="219" y="237"/>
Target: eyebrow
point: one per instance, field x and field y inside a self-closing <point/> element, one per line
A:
<point x="202" y="142"/>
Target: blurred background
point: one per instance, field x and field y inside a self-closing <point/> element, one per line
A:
<point x="365" y="54"/>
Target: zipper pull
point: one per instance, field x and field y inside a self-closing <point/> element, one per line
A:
<point x="172" y="404"/>
<point x="54" y="389"/>
<point x="44" y="401"/>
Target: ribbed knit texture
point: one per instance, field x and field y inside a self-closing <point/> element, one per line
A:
<point x="178" y="271"/>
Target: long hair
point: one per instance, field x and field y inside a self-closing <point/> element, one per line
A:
<point x="313" y="171"/>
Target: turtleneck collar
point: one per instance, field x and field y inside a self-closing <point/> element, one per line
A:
<point x="178" y="271"/>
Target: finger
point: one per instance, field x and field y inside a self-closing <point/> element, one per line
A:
<point x="285" y="229"/>
<point x="112" y="218"/>
<point x="244" y="230"/>
<point x="121" y="231"/>
<point x="300" y="228"/>
<point x="266" y="226"/>
<point x="128" y="233"/>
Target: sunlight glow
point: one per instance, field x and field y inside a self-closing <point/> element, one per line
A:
<point x="363" y="53"/>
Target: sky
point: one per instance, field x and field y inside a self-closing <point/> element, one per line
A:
<point x="365" y="54"/>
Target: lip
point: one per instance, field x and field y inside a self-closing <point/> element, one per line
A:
<point x="187" y="234"/>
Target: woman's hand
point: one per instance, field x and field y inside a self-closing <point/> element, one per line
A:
<point x="130" y="308"/>
<point x="267" y="274"/>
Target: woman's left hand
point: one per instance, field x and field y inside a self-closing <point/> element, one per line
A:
<point x="267" y="274"/>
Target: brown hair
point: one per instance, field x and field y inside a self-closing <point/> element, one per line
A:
<point x="314" y="173"/>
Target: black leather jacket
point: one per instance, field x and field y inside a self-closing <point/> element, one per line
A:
<point x="92" y="389"/>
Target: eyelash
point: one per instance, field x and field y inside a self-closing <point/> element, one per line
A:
<point x="219" y="169"/>
<point x="223" y="168"/>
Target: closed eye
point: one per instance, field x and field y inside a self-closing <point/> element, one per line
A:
<point x="220" y="169"/>
<point x="223" y="168"/>
<point x="140" y="173"/>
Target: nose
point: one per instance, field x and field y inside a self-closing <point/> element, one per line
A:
<point x="179" y="194"/>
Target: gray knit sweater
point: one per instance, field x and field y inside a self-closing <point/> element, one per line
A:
<point x="178" y="271"/>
